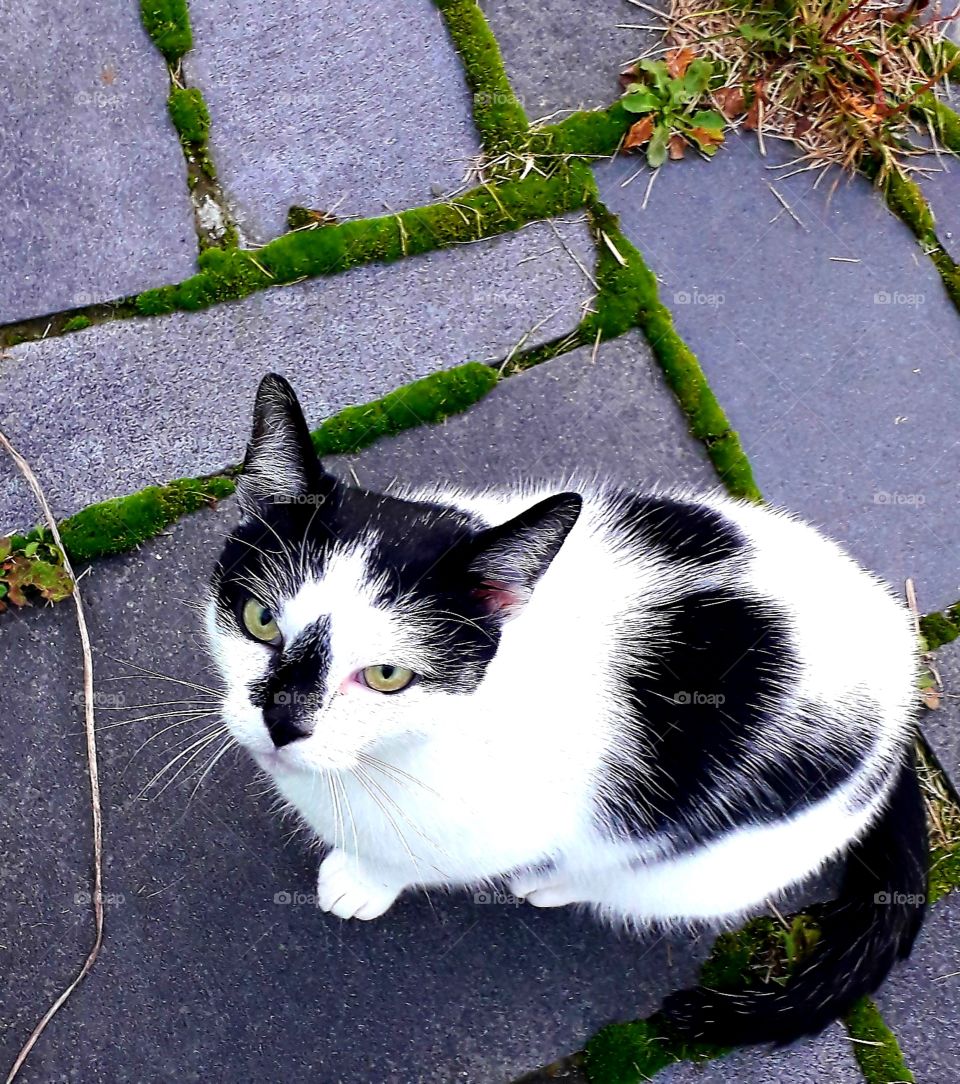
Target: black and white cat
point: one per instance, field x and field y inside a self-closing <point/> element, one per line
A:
<point x="649" y="704"/>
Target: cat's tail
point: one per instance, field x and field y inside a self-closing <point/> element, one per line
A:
<point x="871" y="925"/>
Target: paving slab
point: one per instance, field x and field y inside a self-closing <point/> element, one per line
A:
<point x="941" y="184"/>
<point x="611" y="417"/>
<point x="92" y="179"/>
<point x="358" y="106"/>
<point x="216" y="964"/>
<point x="843" y="378"/>
<point x="812" y="1061"/>
<point x="567" y="54"/>
<point x="942" y="727"/>
<point x="108" y="410"/>
<point x="921" y="1000"/>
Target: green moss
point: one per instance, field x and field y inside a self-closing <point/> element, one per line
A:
<point x="168" y="24"/>
<point x="945" y="121"/>
<point x="590" y="133"/>
<point x="944" y="872"/>
<point x="938" y="629"/>
<point x="190" y="116"/>
<point x="226" y="275"/>
<point x="762" y="951"/>
<point x="629" y="297"/>
<point x="875" y="1046"/>
<point x="77" y="323"/>
<point x="424" y="402"/>
<point x="497" y="113"/>
<point x="635" y="1052"/>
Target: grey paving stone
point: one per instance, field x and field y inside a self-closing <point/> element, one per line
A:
<point x="613" y="418"/>
<point x="942" y="727"/>
<point x="941" y="186"/>
<point x="108" y="410"/>
<point x="842" y="378"/>
<point x="358" y="105"/>
<point x="827" y="1057"/>
<point x="92" y="179"/>
<point x="921" y="1001"/>
<point x="567" y="54"/>
<point x="204" y="976"/>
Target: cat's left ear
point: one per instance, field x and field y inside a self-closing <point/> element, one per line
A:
<point x="511" y="558"/>
<point x="281" y="464"/>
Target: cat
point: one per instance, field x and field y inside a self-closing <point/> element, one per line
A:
<point x="666" y="707"/>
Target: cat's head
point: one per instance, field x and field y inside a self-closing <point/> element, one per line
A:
<point x="342" y="620"/>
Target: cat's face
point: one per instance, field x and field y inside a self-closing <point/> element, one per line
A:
<point x="343" y="621"/>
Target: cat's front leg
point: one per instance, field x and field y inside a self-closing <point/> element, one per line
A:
<point x="348" y="888"/>
<point x="548" y="888"/>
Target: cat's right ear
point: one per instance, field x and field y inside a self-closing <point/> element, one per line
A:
<point x="281" y="465"/>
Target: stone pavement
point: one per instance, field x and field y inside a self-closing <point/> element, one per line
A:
<point x="830" y="343"/>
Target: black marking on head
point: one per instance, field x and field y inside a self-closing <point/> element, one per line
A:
<point x="295" y="684"/>
<point x="680" y="530"/>
<point x="707" y="715"/>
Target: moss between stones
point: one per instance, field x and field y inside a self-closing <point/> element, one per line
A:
<point x="168" y="24"/>
<point x="589" y="133"/>
<point x="120" y="524"/>
<point x="906" y="200"/>
<point x="497" y="113"/>
<point x="191" y="118"/>
<point x="635" y="1052"/>
<point x="482" y="212"/>
<point x="77" y="323"/>
<point x="938" y="629"/>
<point x="629" y="297"/>
<point x="875" y="1046"/>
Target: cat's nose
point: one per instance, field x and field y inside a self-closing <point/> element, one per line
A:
<point x="283" y="725"/>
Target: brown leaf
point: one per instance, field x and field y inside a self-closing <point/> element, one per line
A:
<point x="930" y="698"/>
<point x="639" y="133"/>
<point x="752" y="121"/>
<point x="802" y="125"/>
<point x="628" y="76"/>
<point x="677" y="147"/>
<point x="678" y="60"/>
<point x="730" y="101"/>
<point x="707" y="137"/>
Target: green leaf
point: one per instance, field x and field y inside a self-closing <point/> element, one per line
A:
<point x="708" y="118"/>
<point x="6" y="547"/>
<point x="30" y="549"/>
<point x="643" y="101"/>
<point x="657" y="147"/>
<point x="697" y="78"/>
<point x="3" y="589"/>
<point x="659" y="76"/>
<point x="755" y="33"/>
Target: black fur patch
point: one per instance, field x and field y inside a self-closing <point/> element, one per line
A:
<point x="714" y="690"/>
<point x="680" y="530"/>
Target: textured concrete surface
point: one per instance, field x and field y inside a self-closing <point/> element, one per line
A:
<point x="921" y="1001"/>
<point x="567" y="54"/>
<point x="216" y="965"/>
<point x="92" y="180"/>
<point x="106" y="411"/>
<point x="941" y="187"/>
<point x="942" y="727"/>
<point x="812" y="1061"/>
<point x="842" y="377"/>
<point x="356" y="105"/>
<point x="613" y="418"/>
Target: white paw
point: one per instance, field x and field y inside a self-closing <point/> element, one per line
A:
<point x="546" y="889"/>
<point x="346" y="889"/>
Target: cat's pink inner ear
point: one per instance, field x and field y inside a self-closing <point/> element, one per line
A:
<point x="498" y="598"/>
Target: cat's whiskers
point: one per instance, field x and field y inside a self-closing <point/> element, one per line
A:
<point x="211" y="764"/>
<point x="203" y="730"/>
<point x="183" y="715"/>
<point x="392" y="771"/>
<point x="191" y="752"/>
<point x="159" y="677"/>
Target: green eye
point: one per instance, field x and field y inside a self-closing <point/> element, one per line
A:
<point x="258" y="620"/>
<point x="385" y="678"/>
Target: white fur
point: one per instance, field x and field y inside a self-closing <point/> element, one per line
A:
<point x="428" y="788"/>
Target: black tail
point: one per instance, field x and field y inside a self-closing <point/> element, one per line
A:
<point x="870" y="926"/>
